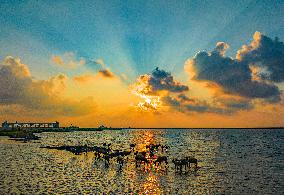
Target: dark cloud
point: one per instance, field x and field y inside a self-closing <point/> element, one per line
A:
<point x="232" y="104"/>
<point x="19" y="88"/>
<point x="184" y="98"/>
<point x="106" y="73"/>
<point x="162" y="80"/>
<point x="199" y="108"/>
<point x="170" y="101"/>
<point x="149" y="86"/>
<point x="234" y="75"/>
<point x="159" y="80"/>
<point x="102" y="69"/>
<point x="265" y="52"/>
<point x="182" y="103"/>
<point x="238" y="83"/>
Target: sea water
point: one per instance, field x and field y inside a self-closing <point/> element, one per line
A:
<point x="230" y="161"/>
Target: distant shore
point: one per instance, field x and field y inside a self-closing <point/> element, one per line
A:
<point x="206" y="128"/>
<point x="69" y="129"/>
<point x="27" y="134"/>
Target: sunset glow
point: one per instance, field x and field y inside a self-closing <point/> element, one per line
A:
<point x="155" y="60"/>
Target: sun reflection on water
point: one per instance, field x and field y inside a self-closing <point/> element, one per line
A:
<point x="142" y="139"/>
<point x="152" y="185"/>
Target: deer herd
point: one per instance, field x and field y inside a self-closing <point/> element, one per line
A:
<point x="151" y="155"/>
<point x="147" y="157"/>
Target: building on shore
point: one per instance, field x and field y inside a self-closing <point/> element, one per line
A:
<point x="21" y="125"/>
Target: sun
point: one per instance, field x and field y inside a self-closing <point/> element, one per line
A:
<point x="149" y="103"/>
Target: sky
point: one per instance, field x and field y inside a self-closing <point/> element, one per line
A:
<point x="143" y="63"/>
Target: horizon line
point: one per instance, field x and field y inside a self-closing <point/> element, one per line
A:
<point x="184" y="127"/>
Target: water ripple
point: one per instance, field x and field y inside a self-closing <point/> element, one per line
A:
<point x="230" y="161"/>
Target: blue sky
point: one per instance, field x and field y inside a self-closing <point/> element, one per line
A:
<point x="132" y="37"/>
<point x="98" y="59"/>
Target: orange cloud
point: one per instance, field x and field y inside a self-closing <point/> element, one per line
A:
<point x="88" y="77"/>
<point x="18" y="87"/>
<point x="84" y="78"/>
<point x="247" y="48"/>
<point x="57" y="60"/>
<point x="68" y="60"/>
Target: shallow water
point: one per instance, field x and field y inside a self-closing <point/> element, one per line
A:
<point x="230" y="162"/>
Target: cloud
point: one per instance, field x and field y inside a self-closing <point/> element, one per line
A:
<point x="106" y="73"/>
<point x="150" y="87"/>
<point x="233" y="84"/>
<point x="68" y="60"/>
<point x="19" y="88"/>
<point x="88" y="77"/>
<point x="259" y="74"/>
<point x="158" y="81"/>
<point x="57" y="60"/>
<point x="228" y="105"/>
<point x="146" y="106"/>
<point x="186" y="106"/>
<point x="237" y="76"/>
<point x="159" y="89"/>
<point x="100" y="62"/>
<point x="84" y="78"/>
<point x="100" y="67"/>
<point x="266" y="53"/>
<point x="221" y="48"/>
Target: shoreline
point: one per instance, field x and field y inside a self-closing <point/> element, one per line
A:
<point x="64" y="129"/>
<point x="27" y="134"/>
